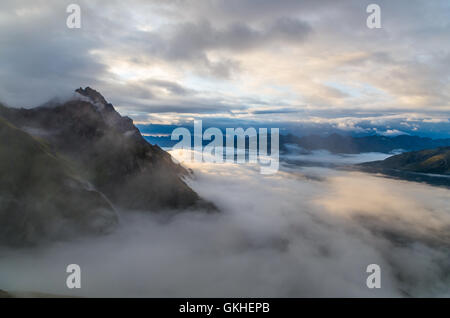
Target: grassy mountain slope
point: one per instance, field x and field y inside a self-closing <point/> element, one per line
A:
<point x="435" y="161"/>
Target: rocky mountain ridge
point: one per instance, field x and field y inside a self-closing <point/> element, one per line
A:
<point x="76" y="163"/>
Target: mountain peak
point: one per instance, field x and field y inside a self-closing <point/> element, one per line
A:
<point x="96" y="98"/>
<point x="107" y="111"/>
<point x="108" y="152"/>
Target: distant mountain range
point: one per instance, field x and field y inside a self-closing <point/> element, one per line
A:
<point x="66" y="167"/>
<point x="335" y="143"/>
<point x="353" y="145"/>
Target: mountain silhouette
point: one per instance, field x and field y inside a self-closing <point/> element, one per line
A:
<point x="435" y="161"/>
<point x="69" y="166"/>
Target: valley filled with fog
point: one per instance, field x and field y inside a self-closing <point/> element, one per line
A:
<point x="303" y="232"/>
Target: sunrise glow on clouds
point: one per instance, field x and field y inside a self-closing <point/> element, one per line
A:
<point x="288" y="62"/>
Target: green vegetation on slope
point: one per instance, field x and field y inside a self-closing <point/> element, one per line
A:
<point x="425" y="161"/>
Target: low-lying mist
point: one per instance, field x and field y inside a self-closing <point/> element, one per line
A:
<point x="303" y="232"/>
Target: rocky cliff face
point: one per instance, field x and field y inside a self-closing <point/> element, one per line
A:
<point x="76" y="161"/>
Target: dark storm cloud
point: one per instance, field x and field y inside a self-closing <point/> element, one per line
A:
<point x="38" y="53"/>
<point x="190" y="39"/>
<point x="183" y="108"/>
<point x="40" y="58"/>
<point x="172" y="87"/>
<point x="146" y="91"/>
<point x="192" y="105"/>
<point x="276" y="111"/>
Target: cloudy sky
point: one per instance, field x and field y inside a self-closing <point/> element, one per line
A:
<point x="287" y="63"/>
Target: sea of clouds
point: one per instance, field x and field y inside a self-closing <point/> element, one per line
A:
<point x="303" y="232"/>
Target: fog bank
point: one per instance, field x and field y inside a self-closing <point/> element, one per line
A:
<point x="303" y="232"/>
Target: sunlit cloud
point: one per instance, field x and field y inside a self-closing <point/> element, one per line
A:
<point x="247" y="58"/>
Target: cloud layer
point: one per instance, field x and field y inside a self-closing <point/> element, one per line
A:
<point x="302" y="232"/>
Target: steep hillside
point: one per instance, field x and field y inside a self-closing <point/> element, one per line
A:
<point x="436" y="161"/>
<point x="41" y="196"/>
<point x="110" y="151"/>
